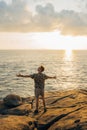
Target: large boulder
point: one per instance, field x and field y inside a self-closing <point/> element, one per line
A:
<point x="12" y="100"/>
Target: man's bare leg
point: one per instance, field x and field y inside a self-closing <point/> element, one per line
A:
<point x="44" y="104"/>
<point x="37" y="104"/>
<point x="43" y="101"/>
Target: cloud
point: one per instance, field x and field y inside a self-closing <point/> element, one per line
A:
<point x="67" y="21"/>
<point x="82" y="5"/>
<point x="72" y="23"/>
<point x="15" y="17"/>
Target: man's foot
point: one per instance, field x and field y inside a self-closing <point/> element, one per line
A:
<point x="36" y="112"/>
<point x="45" y="109"/>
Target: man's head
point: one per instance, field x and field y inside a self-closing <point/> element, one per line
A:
<point x="40" y="69"/>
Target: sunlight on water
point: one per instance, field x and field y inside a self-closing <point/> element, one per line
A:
<point x="68" y="54"/>
<point x="68" y="70"/>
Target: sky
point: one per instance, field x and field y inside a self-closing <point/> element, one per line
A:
<point x="43" y="24"/>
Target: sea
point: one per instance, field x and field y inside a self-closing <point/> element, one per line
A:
<point x="69" y="66"/>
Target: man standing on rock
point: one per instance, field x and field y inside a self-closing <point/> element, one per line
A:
<point x="39" y="80"/>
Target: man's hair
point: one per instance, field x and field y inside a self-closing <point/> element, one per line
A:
<point x="42" y="68"/>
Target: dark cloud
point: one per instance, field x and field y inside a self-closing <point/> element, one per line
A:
<point x="16" y="18"/>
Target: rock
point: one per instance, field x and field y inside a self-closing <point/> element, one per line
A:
<point x="7" y="107"/>
<point x="63" y="111"/>
<point x="17" y="123"/>
<point x="12" y="100"/>
<point x="66" y="110"/>
<point x="24" y="109"/>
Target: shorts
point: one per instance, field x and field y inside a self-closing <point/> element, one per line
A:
<point x="39" y="92"/>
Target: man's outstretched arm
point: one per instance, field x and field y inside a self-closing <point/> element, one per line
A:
<point x="20" y="75"/>
<point x="50" y="77"/>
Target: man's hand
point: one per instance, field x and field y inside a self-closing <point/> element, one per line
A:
<point x="19" y="75"/>
<point x="55" y="77"/>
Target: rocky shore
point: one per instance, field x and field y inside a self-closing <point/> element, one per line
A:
<point x="66" y="110"/>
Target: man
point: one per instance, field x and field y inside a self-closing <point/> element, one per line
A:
<point x="39" y="81"/>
